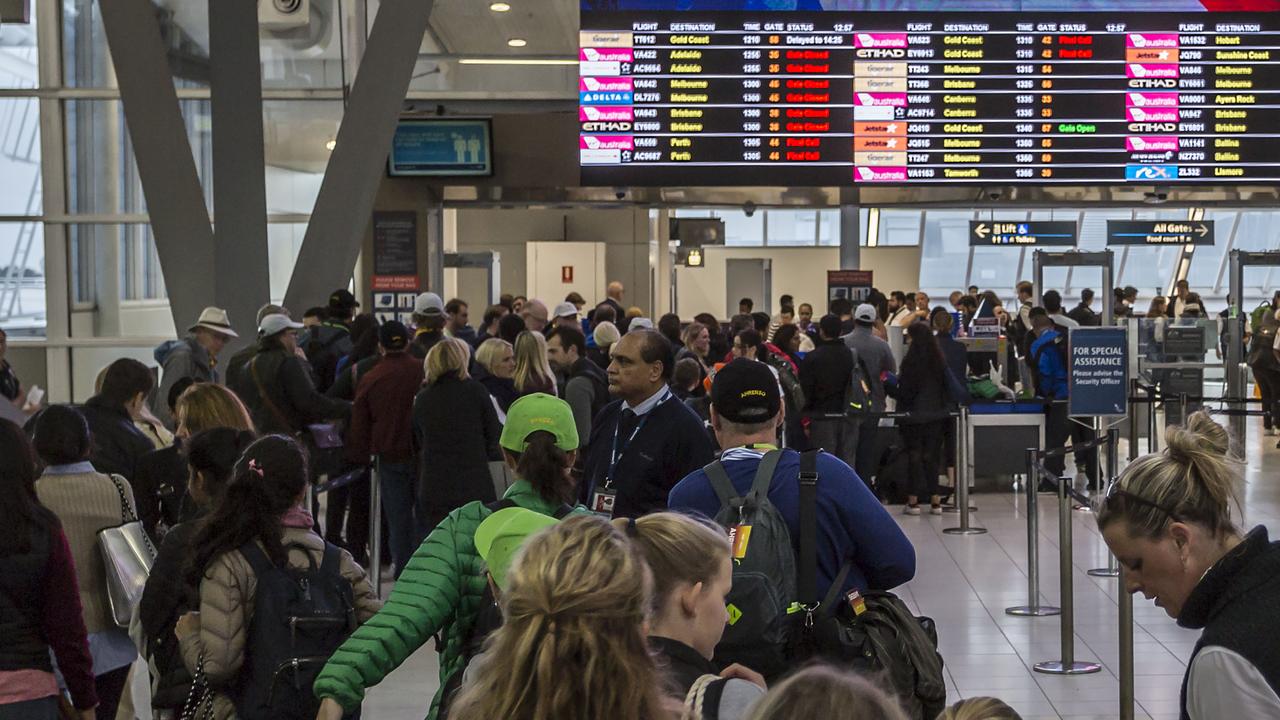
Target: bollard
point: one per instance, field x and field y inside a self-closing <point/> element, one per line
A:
<point x="963" y="468"/>
<point x="1126" y="651"/>
<point x="1033" y="608"/>
<point x="1113" y="469"/>
<point x="1153" y="443"/>
<point x="375" y="527"/>
<point x="1067" y="665"/>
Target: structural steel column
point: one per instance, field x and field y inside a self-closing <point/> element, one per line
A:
<point x="179" y="217"/>
<point x="242" y="281"/>
<point x="346" y="197"/>
<point x="850" y="230"/>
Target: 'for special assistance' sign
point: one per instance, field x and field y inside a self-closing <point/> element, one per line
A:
<point x="1099" y="371"/>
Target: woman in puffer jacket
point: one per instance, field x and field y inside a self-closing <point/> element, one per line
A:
<point x="262" y="505"/>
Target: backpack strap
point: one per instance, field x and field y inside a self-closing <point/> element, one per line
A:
<point x="331" y="561"/>
<point x="502" y="504"/>
<point x="257" y="559"/>
<point x="764" y="475"/>
<point x="808" y="570"/>
<point x="720" y="482"/>
<point x="562" y="512"/>
<point x="828" y="606"/>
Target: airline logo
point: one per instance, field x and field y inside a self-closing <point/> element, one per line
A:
<point x="880" y="40"/>
<point x="880" y="99"/>
<point x="1159" y="115"/>
<point x="873" y="112"/>
<point x="879" y="142"/>
<point x="1151" y="172"/>
<point x="896" y="129"/>
<point x="606" y="142"/>
<point x="880" y="159"/>
<point x="1157" y="55"/>
<point x="619" y="55"/>
<point x="880" y="174"/>
<point x="605" y="84"/>
<point x="1151" y="143"/>
<point x="606" y="114"/>
<point x="872" y="68"/>
<point x="605" y="98"/>
<point x="603" y="39"/>
<point x="1151" y="100"/>
<point x="600" y="157"/>
<point x="880" y="84"/>
<point x="596" y="69"/>
<point x="1144" y="70"/>
<point x="1151" y="40"/>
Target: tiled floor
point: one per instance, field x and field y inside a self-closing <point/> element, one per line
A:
<point x="966" y="582"/>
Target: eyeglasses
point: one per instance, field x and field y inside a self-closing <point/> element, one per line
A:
<point x="1115" y="492"/>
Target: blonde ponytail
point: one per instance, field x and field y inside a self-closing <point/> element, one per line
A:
<point x="678" y="549"/>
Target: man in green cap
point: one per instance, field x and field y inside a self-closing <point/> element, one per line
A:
<point x="443" y="585"/>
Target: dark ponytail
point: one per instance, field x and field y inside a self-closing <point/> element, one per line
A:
<point x="268" y="479"/>
<point x="546" y="467"/>
<point x="213" y="453"/>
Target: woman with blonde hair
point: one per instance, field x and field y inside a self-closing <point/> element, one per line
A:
<point x="533" y="370"/>
<point x="692" y="574"/>
<point x="825" y="692"/>
<point x="980" y="708"/>
<point x="497" y="366"/>
<point x="572" y="646"/>
<point x="1168" y="520"/>
<point x="605" y="334"/>
<point x="455" y="432"/>
<point x="160" y="482"/>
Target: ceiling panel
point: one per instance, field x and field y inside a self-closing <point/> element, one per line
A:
<point x="469" y="27"/>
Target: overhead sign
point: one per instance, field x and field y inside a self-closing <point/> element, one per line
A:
<point x="1159" y="232"/>
<point x="442" y="147"/>
<point x="854" y="285"/>
<point x="985" y="233"/>
<point x="1098" y="375"/>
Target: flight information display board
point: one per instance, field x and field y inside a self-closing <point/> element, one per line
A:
<point x="904" y="98"/>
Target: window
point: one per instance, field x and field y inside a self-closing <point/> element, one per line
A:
<point x="22" y="281"/>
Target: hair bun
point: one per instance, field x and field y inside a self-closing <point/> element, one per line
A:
<point x="1200" y="435"/>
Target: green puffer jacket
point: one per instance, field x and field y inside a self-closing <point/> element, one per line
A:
<point x="439" y="590"/>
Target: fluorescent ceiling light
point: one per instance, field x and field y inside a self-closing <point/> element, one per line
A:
<point x="516" y="61"/>
<point x="517" y="42"/>
<point x="330" y="145"/>
<point x="500" y="7"/>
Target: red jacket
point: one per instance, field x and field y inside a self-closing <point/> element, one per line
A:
<point x="382" y="416"/>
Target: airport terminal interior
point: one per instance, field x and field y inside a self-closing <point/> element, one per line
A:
<point x="1014" y="264"/>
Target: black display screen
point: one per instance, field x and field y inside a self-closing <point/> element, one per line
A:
<point x="905" y="98"/>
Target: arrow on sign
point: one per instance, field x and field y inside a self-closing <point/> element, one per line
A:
<point x="982" y="231"/>
<point x="1202" y="230"/>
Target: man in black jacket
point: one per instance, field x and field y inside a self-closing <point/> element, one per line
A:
<point x="643" y="443"/>
<point x="276" y="387"/>
<point x="1084" y="314"/>
<point x="118" y="445"/>
<point x="585" y="386"/>
<point x="825" y="375"/>
<point x="330" y="341"/>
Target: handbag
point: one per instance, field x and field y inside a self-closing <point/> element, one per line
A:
<point x="199" y="704"/>
<point x="128" y="555"/>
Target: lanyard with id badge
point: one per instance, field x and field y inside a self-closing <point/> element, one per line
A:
<point x="740" y="533"/>
<point x="603" y="499"/>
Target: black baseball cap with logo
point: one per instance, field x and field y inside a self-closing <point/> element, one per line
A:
<point x="745" y="391"/>
<point x="393" y="336"/>
<point x="343" y="299"/>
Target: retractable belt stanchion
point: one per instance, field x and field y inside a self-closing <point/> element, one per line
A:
<point x="963" y="465"/>
<point x="1033" y="608"/>
<point x="1126" y="650"/>
<point x="1113" y="468"/>
<point x="1068" y="664"/>
<point x="375" y="528"/>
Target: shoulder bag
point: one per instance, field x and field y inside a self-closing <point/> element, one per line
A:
<point x="127" y="554"/>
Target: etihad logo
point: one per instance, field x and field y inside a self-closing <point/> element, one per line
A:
<point x="753" y="393"/>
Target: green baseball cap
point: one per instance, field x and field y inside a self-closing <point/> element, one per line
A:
<point x="535" y="412"/>
<point x="501" y="535"/>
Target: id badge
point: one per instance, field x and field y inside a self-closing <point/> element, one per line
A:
<point x="739" y="536"/>
<point x="602" y="502"/>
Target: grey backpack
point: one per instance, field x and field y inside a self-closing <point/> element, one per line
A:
<point x="764" y="577"/>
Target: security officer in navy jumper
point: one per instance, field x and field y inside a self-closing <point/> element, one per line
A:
<point x="645" y="441"/>
<point x="1168" y="520"/>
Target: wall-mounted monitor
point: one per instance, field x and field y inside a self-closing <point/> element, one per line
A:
<point x="442" y="147"/>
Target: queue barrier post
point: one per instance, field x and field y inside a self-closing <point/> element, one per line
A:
<point x="1126" y="650"/>
<point x="964" y="466"/>
<point x="1113" y="469"/>
<point x="1033" y="608"/>
<point x="1068" y="664"/>
<point x="375" y="527"/>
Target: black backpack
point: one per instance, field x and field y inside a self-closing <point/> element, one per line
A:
<point x="300" y="617"/>
<point x="488" y="619"/>
<point x="324" y="354"/>
<point x="881" y="637"/>
<point x="764" y="579"/>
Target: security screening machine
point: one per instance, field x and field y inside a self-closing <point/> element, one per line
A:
<point x="489" y="261"/>
<point x="1103" y="259"/>
<point x="1240" y="260"/>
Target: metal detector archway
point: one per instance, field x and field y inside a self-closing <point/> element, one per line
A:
<point x="488" y="260"/>
<point x="1240" y="260"/>
<point x="1101" y="259"/>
